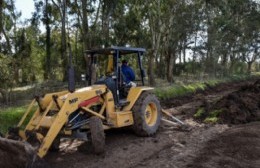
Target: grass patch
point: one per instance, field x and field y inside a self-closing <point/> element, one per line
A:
<point x="213" y="116"/>
<point x="11" y="116"/>
<point x="176" y="90"/>
<point x="180" y="90"/>
<point x="211" y="120"/>
<point x="200" y="112"/>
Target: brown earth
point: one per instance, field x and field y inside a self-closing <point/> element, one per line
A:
<point x="14" y="154"/>
<point x="237" y="147"/>
<point x="206" y="145"/>
<point x="241" y="106"/>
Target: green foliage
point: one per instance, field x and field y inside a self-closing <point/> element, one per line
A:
<point x="183" y="89"/>
<point x="239" y="77"/>
<point x="211" y="120"/>
<point x="213" y="116"/>
<point x="199" y="113"/>
<point x="213" y="82"/>
<point x="193" y="38"/>
<point x="11" y="116"/>
<point x="178" y="90"/>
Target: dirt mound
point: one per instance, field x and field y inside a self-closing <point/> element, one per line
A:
<point x="238" y="107"/>
<point x="15" y="154"/>
<point x="237" y="147"/>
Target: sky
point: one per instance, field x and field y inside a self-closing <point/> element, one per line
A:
<point x="26" y="7"/>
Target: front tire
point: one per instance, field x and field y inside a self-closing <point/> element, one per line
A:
<point x="97" y="135"/>
<point x="146" y="114"/>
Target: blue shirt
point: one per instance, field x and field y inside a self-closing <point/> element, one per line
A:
<point x="128" y="73"/>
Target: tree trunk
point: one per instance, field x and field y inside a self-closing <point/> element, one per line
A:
<point x="1" y="15"/>
<point x="194" y="53"/>
<point x="160" y="66"/>
<point x="232" y="63"/>
<point x="63" y="42"/>
<point x="85" y="25"/>
<point x="249" y="67"/>
<point x="48" y="43"/>
<point x="150" y="69"/>
<point x="170" y="65"/>
<point x="184" y="51"/>
<point x="170" y="68"/>
<point x="108" y="7"/>
<point x="85" y="32"/>
<point x="2" y="30"/>
<point x="5" y="96"/>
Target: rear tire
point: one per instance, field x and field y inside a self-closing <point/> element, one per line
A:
<point x="97" y="135"/>
<point x="146" y="114"/>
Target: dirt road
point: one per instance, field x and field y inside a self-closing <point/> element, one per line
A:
<point x="206" y="145"/>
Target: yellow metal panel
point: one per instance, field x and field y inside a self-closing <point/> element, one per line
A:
<point x="39" y="137"/>
<point x="124" y="118"/>
<point x="34" y="120"/>
<point x="110" y="108"/>
<point x="110" y="67"/>
<point x="93" y="113"/>
<point x="45" y="101"/>
<point x="134" y="94"/>
<point x="22" y="134"/>
<point x="44" y="114"/>
<point x="67" y="132"/>
<point x="47" y="121"/>
<point x="48" y="98"/>
<point x="26" y="113"/>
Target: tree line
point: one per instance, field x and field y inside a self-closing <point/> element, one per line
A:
<point x="211" y="37"/>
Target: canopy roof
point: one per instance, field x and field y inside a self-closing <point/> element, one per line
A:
<point x="113" y="49"/>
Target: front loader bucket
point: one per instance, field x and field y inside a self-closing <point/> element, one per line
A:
<point x="31" y="133"/>
<point x="18" y="147"/>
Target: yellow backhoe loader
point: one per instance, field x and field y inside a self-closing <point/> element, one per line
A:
<point x="86" y="113"/>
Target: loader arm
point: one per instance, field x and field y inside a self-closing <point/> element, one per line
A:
<point x="70" y="105"/>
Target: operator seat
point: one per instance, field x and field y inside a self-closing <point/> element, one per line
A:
<point x="110" y="83"/>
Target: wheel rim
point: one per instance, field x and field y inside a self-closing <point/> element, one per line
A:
<point x="151" y="114"/>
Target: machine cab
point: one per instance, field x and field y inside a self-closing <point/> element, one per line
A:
<point x="112" y="75"/>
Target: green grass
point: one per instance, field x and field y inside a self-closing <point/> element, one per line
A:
<point x="11" y="116"/>
<point x="213" y="116"/>
<point x="211" y="120"/>
<point x="176" y="90"/>
<point x="199" y="112"/>
<point x="181" y="89"/>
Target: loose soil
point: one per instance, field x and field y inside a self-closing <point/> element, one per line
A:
<point x="231" y="142"/>
<point x="241" y="106"/>
<point x="14" y="154"/>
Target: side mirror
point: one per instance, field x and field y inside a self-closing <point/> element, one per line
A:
<point x="143" y="73"/>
